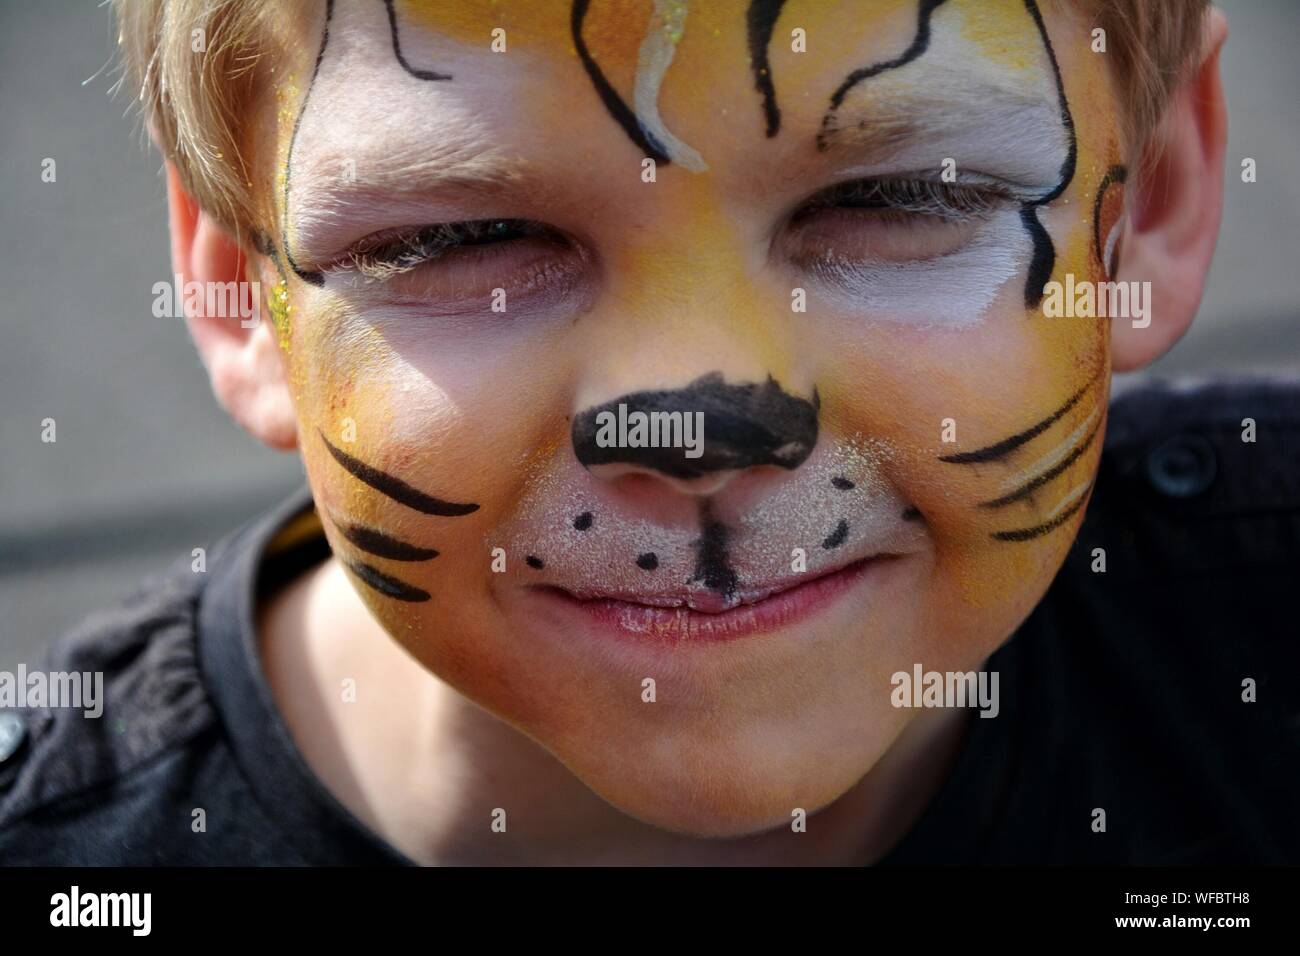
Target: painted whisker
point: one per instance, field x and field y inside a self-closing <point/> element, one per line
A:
<point x="1055" y="471"/>
<point x="386" y="585"/>
<point x="1004" y="447"/>
<point x="381" y="545"/>
<point x="1059" y="515"/>
<point x="395" y="488"/>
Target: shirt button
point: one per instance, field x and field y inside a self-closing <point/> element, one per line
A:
<point x="1182" y="467"/>
<point x="13" y="730"/>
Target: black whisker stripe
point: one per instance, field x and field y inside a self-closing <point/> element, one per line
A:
<point x="920" y="43"/>
<point x="1050" y="474"/>
<point x="760" y="21"/>
<point x="397" y="50"/>
<point x="1037" y="531"/>
<point x="373" y="541"/>
<point x="614" y="104"/>
<point x="1008" y="445"/>
<point x="385" y="585"/>
<point x="395" y="488"/>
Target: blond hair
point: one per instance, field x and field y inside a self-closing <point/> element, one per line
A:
<point x="194" y="105"/>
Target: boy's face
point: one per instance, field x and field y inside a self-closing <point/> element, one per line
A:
<point x="897" y="444"/>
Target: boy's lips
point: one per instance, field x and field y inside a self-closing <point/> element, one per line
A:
<point x="692" y="614"/>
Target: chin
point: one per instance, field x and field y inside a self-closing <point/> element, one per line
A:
<point x="741" y="733"/>
<point x="701" y="785"/>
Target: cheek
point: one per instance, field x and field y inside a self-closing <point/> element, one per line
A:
<point x="953" y="291"/>
<point x="418" y="445"/>
<point x="998" y="428"/>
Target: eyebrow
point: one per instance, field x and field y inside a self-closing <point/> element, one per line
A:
<point x="1022" y="130"/>
<point x="325" y="202"/>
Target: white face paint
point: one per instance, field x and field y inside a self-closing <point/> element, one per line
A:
<point x="653" y="60"/>
<point x="954" y="110"/>
<point x="377" y="147"/>
<point x="837" y="508"/>
<point x="950" y="291"/>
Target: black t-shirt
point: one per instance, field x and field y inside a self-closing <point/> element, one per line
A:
<point x="1123" y="691"/>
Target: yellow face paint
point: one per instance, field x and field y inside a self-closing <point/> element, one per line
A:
<point x="957" y="428"/>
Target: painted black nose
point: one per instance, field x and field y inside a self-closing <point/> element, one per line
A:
<point x="739" y="426"/>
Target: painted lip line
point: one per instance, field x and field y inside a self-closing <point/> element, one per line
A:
<point x="672" y="620"/>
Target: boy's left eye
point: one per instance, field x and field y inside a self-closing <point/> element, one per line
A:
<point x="888" y="220"/>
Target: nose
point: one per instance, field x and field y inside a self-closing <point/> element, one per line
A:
<point x="697" y="436"/>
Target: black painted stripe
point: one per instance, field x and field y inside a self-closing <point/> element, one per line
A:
<point x="1116" y="174"/>
<point x="385" y="585"/>
<point x="1008" y="445"/>
<point x="1067" y="118"/>
<point x="712" y="558"/>
<point x="614" y="104"/>
<point x="397" y="50"/>
<point x="381" y="545"/>
<point x="1029" y="487"/>
<point x="760" y="21"/>
<point x="1043" y="258"/>
<point x="838" y="536"/>
<point x="313" y="278"/>
<point x="395" y="488"/>
<point x="1044" y="254"/>
<point x="1037" y="531"/>
<point x="920" y="43"/>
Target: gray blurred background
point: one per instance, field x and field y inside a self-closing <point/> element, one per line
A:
<point x="146" y="466"/>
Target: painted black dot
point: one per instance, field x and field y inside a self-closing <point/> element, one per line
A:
<point x="842" y="483"/>
<point x="534" y="562"/>
<point x="911" y="513"/>
<point x="648" y="561"/>
<point x="838" y="536"/>
<point x="583" y="521"/>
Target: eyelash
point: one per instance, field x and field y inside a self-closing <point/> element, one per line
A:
<point x="951" y="202"/>
<point x="384" y="256"/>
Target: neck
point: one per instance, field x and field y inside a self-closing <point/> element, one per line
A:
<point x="427" y="769"/>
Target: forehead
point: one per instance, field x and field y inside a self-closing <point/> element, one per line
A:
<point x="410" y="91"/>
<point x="722" y="66"/>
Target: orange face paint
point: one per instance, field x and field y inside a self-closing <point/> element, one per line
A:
<point x="957" y="428"/>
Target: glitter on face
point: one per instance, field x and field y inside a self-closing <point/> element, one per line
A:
<point x="766" y="516"/>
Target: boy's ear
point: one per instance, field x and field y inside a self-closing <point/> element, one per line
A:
<point x="245" y="365"/>
<point x="1173" y="207"/>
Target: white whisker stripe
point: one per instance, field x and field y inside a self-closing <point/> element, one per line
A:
<point x="1053" y="457"/>
<point x="1075" y="494"/>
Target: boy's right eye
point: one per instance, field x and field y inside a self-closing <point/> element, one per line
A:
<point x="387" y="254"/>
<point x="454" y="267"/>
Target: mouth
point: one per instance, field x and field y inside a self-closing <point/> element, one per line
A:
<point x="699" y="616"/>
